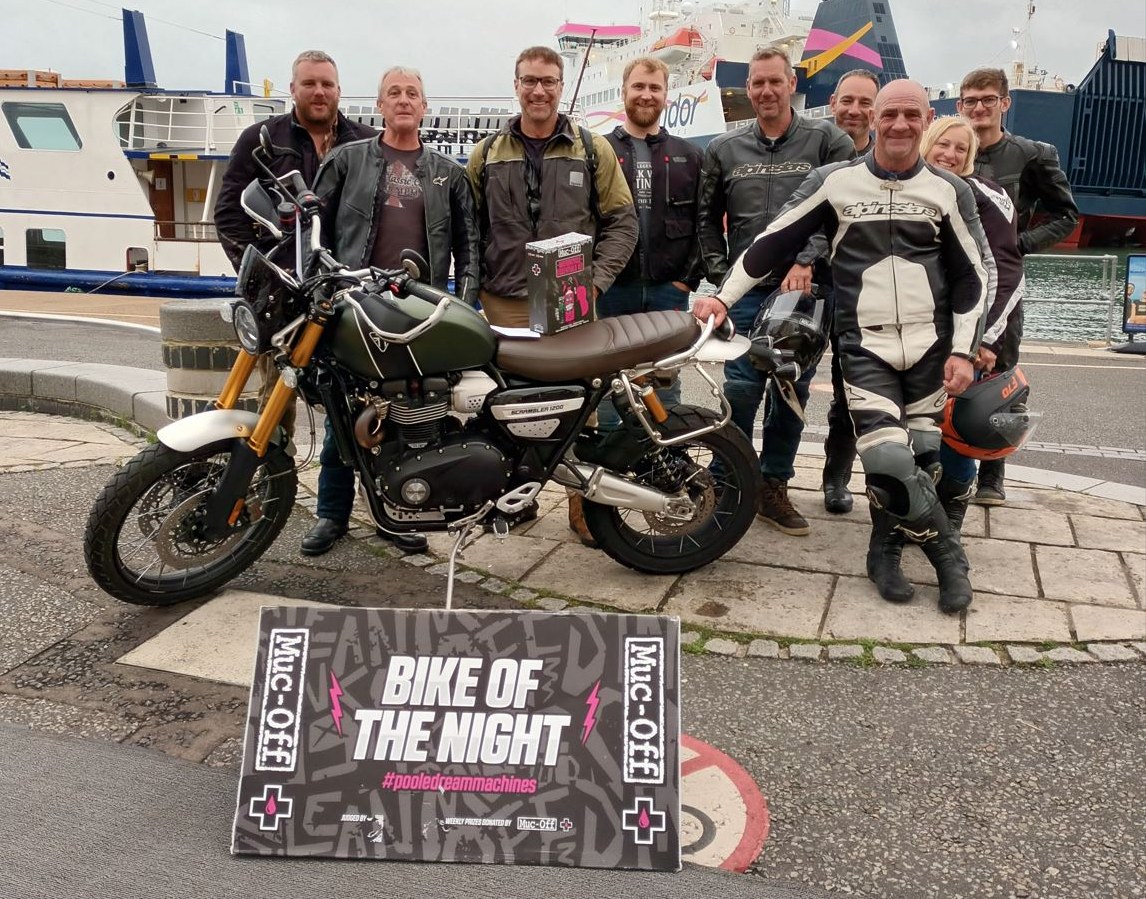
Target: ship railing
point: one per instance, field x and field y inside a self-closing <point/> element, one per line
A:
<point x="451" y="125"/>
<point x="1102" y="290"/>
<point x="192" y="232"/>
<point x="174" y="123"/>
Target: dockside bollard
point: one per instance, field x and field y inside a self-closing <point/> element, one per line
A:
<point x="199" y="349"/>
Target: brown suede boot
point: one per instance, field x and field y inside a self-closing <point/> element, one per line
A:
<point x="577" y="519"/>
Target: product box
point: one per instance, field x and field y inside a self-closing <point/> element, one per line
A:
<point x="560" y="279"/>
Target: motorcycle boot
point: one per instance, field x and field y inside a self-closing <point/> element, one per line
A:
<point x="991" y="492"/>
<point x="837" y="472"/>
<point x="776" y="508"/>
<point x="954" y="496"/>
<point x="884" y="551"/>
<point x="320" y="538"/>
<point x="940" y="543"/>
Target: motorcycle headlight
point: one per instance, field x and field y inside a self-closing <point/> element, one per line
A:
<point x="246" y="327"/>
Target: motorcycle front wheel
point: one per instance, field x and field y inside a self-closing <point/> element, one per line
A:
<point x="143" y="543"/>
<point x="721" y="475"/>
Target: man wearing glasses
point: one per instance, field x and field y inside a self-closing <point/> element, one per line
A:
<point x="1030" y="174"/>
<point x="540" y="177"/>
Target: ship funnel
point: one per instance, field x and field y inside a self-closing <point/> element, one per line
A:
<point x="238" y="77"/>
<point x="138" y="68"/>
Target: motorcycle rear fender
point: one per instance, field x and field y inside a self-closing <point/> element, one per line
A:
<point x="190" y="433"/>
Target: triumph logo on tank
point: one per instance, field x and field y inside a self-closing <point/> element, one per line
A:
<point x="644" y="730"/>
<point x="280" y="717"/>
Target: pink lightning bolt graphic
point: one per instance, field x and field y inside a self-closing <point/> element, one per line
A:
<point x="591" y="715"/>
<point x="335" y="705"/>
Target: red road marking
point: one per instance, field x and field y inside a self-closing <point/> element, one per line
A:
<point x="757" y="823"/>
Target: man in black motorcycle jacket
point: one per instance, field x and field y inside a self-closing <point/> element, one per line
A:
<point x="381" y="196"/>
<point x="1029" y="172"/>
<point x="312" y="128"/>
<point x="748" y="175"/>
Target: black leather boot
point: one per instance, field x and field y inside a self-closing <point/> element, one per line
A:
<point x="991" y="475"/>
<point x="941" y="546"/>
<point x="954" y="496"/>
<point x="320" y="538"/>
<point x="883" y="555"/>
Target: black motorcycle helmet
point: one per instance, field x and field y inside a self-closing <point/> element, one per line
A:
<point x="990" y="419"/>
<point x="790" y="333"/>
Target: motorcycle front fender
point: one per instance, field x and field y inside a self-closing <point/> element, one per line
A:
<point x="194" y="431"/>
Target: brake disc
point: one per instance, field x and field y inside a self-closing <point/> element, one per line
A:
<point x="177" y="545"/>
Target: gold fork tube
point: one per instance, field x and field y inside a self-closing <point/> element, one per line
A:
<point x="236" y="381"/>
<point x="281" y="395"/>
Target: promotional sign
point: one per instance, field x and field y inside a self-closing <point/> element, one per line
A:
<point x="1134" y="302"/>
<point x="511" y="737"/>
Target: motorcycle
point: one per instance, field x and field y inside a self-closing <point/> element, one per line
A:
<point x="450" y="426"/>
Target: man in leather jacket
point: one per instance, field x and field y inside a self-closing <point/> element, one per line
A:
<point x="312" y="128"/>
<point x="1029" y="172"/>
<point x="663" y="174"/>
<point x="908" y="258"/>
<point x="748" y="175"/>
<point x="381" y="196"/>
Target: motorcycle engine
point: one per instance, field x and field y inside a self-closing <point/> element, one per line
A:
<point x="425" y="459"/>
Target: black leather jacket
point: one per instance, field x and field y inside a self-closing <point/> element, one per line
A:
<point x="235" y="228"/>
<point x="750" y="177"/>
<point x="348" y="185"/>
<point x="673" y="250"/>
<point x="1028" y="170"/>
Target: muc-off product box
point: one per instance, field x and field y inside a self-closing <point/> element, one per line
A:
<point x="560" y="279"/>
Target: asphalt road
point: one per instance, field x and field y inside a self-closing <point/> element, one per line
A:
<point x="1094" y="406"/>
<point x="900" y="783"/>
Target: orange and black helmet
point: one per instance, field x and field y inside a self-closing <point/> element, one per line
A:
<point x="990" y="419"/>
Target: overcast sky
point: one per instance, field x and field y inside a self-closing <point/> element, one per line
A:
<point x="467" y="47"/>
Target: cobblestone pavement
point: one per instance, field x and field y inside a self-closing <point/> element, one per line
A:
<point x="1059" y="576"/>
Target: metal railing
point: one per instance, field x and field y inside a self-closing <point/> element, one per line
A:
<point x="195" y="232"/>
<point x="173" y="123"/>
<point x="1110" y="292"/>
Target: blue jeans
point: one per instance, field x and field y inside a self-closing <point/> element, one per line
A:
<point x="629" y="299"/>
<point x="955" y="466"/>
<point x="335" y="482"/>
<point x="745" y="386"/>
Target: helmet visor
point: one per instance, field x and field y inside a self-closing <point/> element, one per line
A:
<point x="1015" y="428"/>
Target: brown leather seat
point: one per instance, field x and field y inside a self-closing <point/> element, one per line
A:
<point x="599" y="348"/>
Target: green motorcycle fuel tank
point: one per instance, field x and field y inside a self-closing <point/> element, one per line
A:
<point x="461" y="340"/>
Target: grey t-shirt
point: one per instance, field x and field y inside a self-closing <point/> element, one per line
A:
<point x="401" y="209"/>
<point x="643" y="197"/>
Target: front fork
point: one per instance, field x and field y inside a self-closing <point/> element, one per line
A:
<point x="226" y="503"/>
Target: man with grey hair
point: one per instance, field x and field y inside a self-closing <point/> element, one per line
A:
<point x="853" y="106"/>
<point x="381" y="196"/>
<point x="746" y="177"/>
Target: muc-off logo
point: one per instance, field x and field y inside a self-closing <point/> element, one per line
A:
<point x="276" y="747"/>
<point x="543" y="825"/>
<point x="750" y="170"/>
<point x="876" y="208"/>
<point x="571" y="250"/>
<point x="644" y="703"/>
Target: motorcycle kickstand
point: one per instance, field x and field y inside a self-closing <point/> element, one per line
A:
<point x="465" y="537"/>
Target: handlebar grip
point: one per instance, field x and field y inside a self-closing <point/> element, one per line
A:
<point x="726" y="330"/>
<point x="424" y="291"/>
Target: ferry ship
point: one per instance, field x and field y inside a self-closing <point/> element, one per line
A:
<point x="111" y="185"/>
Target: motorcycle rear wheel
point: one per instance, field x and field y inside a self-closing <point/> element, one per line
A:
<point x="141" y="544"/>
<point x="724" y="484"/>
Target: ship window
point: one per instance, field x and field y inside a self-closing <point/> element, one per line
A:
<point x="46" y="248"/>
<point x="42" y="126"/>
<point x="879" y="9"/>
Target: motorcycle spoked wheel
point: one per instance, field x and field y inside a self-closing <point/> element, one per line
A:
<point x="140" y="543"/>
<point x="723" y="482"/>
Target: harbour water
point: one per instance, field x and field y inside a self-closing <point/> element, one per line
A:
<point x="1066" y="296"/>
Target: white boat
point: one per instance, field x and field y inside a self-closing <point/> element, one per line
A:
<point x="707" y="47"/>
<point x="112" y="185"/>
